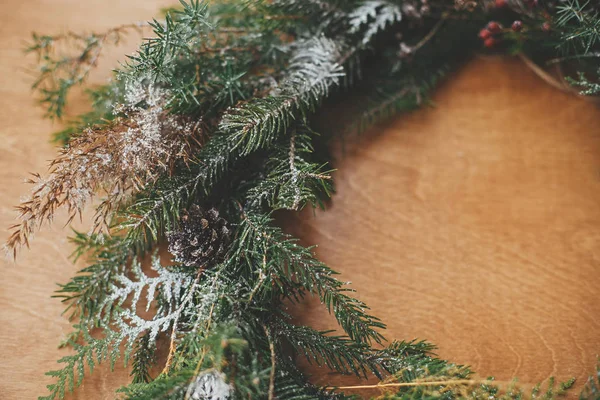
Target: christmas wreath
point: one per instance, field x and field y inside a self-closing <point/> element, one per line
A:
<point x="216" y="122"/>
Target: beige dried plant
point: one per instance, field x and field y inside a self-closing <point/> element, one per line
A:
<point x="114" y="160"/>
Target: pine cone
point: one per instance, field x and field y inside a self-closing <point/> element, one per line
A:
<point x="202" y="238"/>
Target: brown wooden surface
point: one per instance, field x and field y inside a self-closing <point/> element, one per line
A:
<point x="474" y="224"/>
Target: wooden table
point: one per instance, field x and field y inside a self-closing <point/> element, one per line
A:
<point x="474" y="224"/>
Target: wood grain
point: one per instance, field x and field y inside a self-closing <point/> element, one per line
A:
<point x="474" y="224"/>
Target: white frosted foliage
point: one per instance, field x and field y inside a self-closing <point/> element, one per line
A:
<point x="147" y="138"/>
<point x="314" y="68"/>
<point x="376" y="15"/>
<point x="182" y="293"/>
<point x="210" y="386"/>
<point x="173" y="286"/>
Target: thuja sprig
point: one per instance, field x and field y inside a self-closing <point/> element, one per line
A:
<point x="93" y="352"/>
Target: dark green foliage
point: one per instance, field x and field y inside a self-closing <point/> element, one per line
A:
<point x="144" y="358"/>
<point x="580" y="25"/>
<point x="338" y="353"/>
<point x="287" y="266"/>
<point x="175" y="37"/>
<point x="293" y="179"/>
<point x="254" y="79"/>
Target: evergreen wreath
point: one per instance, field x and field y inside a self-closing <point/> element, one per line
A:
<point x="214" y="124"/>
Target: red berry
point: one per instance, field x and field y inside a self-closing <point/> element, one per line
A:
<point x="546" y="27"/>
<point x="494" y="27"/>
<point x="517" y="26"/>
<point x="489" y="42"/>
<point x="484" y="34"/>
<point x="501" y="3"/>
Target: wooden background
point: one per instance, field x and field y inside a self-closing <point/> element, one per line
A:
<point x="474" y="224"/>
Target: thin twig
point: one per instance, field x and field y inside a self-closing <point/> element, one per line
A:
<point x="272" y="376"/>
<point x="283" y="17"/>
<point x="207" y="329"/>
<point x="186" y="300"/>
<point x="466" y="382"/>
<point x="545" y="75"/>
<point x="120" y="29"/>
<point x="431" y="33"/>
<point x="294" y="171"/>
<point x="229" y="29"/>
<point x="594" y="54"/>
<point x="261" y="278"/>
<point x="316" y="176"/>
<point x="409" y="384"/>
<point x="556" y="83"/>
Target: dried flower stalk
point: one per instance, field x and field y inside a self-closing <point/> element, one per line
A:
<point x="116" y="159"/>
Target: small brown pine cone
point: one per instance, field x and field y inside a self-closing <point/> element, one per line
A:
<point x="202" y="238"/>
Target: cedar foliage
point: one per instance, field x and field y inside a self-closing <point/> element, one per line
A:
<point x="219" y="110"/>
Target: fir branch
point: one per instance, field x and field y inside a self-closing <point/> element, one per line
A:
<point x="338" y="353"/>
<point x="248" y="128"/>
<point x="144" y="357"/>
<point x="588" y="87"/>
<point x="580" y="24"/>
<point x="316" y="16"/>
<point x="292" y="180"/>
<point x="314" y="67"/>
<point x="391" y="97"/>
<point x="175" y="37"/>
<point x="292" y="384"/>
<point x="289" y="265"/>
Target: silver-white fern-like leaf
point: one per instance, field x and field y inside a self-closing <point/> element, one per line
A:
<point x="169" y="282"/>
<point x="175" y="288"/>
<point x="376" y="15"/>
<point x="314" y="68"/>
